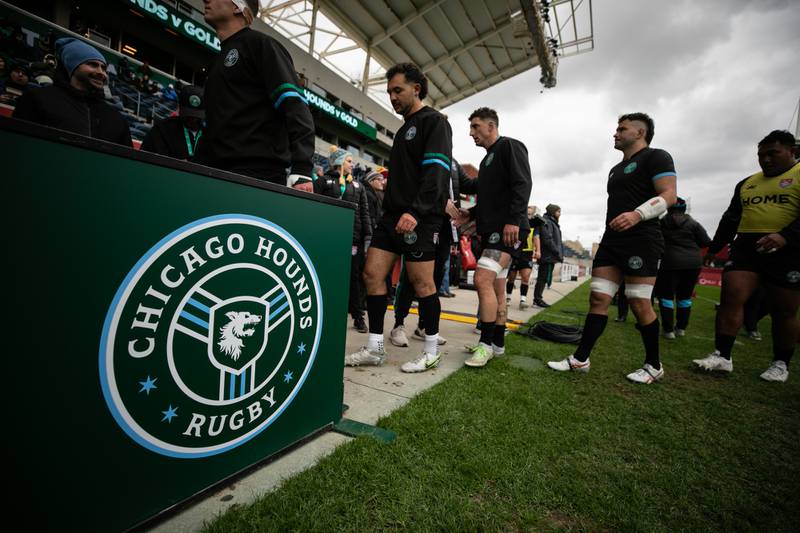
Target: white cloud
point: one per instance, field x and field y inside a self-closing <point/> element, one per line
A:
<point x="715" y="75"/>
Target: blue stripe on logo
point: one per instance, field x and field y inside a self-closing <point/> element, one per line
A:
<point x="278" y="310"/>
<point x="198" y="305"/>
<point x="685" y="303"/>
<point x="231" y="394"/>
<point x="438" y="162"/>
<point x="241" y="385"/>
<point x="194" y="319"/>
<point x="290" y="94"/>
<point x="663" y="175"/>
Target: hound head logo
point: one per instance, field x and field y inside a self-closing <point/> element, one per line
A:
<point x="230" y="335"/>
<point x="238" y="332"/>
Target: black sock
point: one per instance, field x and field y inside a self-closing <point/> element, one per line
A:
<point x="429" y="310"/>
<point x="487" y="332"/>
<point x="782" y="354"/>
<point x="682" y="317"/>
<point x="509" y="287"/>
<point x="499" y="338"/>
<point x="650" y="340"/>
<point x="724" y="344"/>
<point x="523" y="289"/>
<point x="376" y="310"/>
<point x="592" y="329"/>
<point x="667" y="314"/>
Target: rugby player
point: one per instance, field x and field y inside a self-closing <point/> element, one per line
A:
<point x="257" y="119"/>
<point x="764" y="218"/>
<point x="503" y="188"/>
<point x="414" y="210"/>
<point x="640" y="189"/>
<point x="522" y="262"/>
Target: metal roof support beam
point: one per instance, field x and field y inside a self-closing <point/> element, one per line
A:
<point x="272" y="9"/>
<point x="451" y="54"/>
<point x="509" y="71"/>
<point x="365" y="76"/>
<point x="396" y="27"/>
<point x="314" y="9"/>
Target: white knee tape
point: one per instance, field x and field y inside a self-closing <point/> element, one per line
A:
<point x="490" y="264"/>
<point x="638" y="290"/>
<point x="604" y="286"/>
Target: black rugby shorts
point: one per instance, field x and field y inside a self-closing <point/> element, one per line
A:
<point x="635" y="258"/>
<point x="418" y="245"/>
<point x="781" y="268"/>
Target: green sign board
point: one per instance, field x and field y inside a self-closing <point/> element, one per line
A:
<point x="172" y="329"/>
<point x="177" y="21"/>
<point x="340" y="115"/>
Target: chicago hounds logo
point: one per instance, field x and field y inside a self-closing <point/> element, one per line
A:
<point x="211" y="336"/>
<point x="231" y="57"/>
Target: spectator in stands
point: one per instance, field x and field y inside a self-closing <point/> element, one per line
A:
<point x="257" y="120"/>
<point x="552" y="251"/>
<point x="680" y="267"/>
<point x="178" y="136"/>
<point x="375" y="182"/>
<point x="318" y="172"/>
<point x="338" y="182"/>
<point x="145" y="72"/>
<point x="45" y="67"/>
<point x="170" y="94"/>
<point x="125" y="70"/>
<point x="17" y="84"/>
<point x="75" y="102"/>
<point x="44" y="46"/>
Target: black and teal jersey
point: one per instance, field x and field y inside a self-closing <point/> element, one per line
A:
<point x="630" y="184"/>
<point x="503" y="187"/>
<point x="419" y="167"/>
<point x="258" y="121"/>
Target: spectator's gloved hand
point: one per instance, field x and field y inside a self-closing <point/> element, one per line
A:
<point x="300" y="182"/>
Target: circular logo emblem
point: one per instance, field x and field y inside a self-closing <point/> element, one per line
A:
<point x="489" y="159"/>
<point x="411" y="133"/>
<point x="793" y="276"/>
<point x="494" y="238"/>
<point x="210" y="336"/>
<point x="630" y="168"/>
<point x="231" y="57"/>
<point x="194" y="101"/>
<point x="635" y="262"/>
<point x="410" y="237"/>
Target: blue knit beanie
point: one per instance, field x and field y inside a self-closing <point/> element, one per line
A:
<point x="337" y="157"/>
<point x="74" y="52"/>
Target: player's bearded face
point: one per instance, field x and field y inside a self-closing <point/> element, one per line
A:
<point x="402" y="94"/>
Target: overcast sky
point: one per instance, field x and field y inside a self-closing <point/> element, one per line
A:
<point x="715" y="75"/>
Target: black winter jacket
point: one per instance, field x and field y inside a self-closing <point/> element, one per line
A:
<point x="683" y="238"/>
<point x="550" y="238"/>
<point x="354" y="192"/>
<point x="63" y="107"/>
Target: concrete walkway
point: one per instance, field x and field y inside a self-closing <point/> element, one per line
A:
<point x="370" y="392"/>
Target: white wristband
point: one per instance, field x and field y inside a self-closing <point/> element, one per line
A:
<point x="652" y="208"/>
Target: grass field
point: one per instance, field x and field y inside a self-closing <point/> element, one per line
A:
<point x="504" y="448"/>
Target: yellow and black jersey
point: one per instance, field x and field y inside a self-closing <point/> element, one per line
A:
<point x="769" y="204"/>
<point x="762" y="205"/>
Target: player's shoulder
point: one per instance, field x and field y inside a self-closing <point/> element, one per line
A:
<point x="512" y="143"/>
<point x="656" y="153"/>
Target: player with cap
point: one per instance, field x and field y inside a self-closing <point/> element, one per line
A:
<point x="640" y="189"/>
<point x="257" y="118"/>
<point x="75" y="101"/>
<point x="178" y="136"/>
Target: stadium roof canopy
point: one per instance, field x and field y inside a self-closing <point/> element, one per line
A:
<point x="463" y="46"/>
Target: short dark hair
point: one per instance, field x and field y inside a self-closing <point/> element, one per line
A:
<point x="485" y="113"/>
<point x="779" y="136"/>
<point x="642" y="117"/>
<point x="413" y="74"/>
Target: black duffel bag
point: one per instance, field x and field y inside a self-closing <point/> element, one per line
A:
<point x="549" y="331"/>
